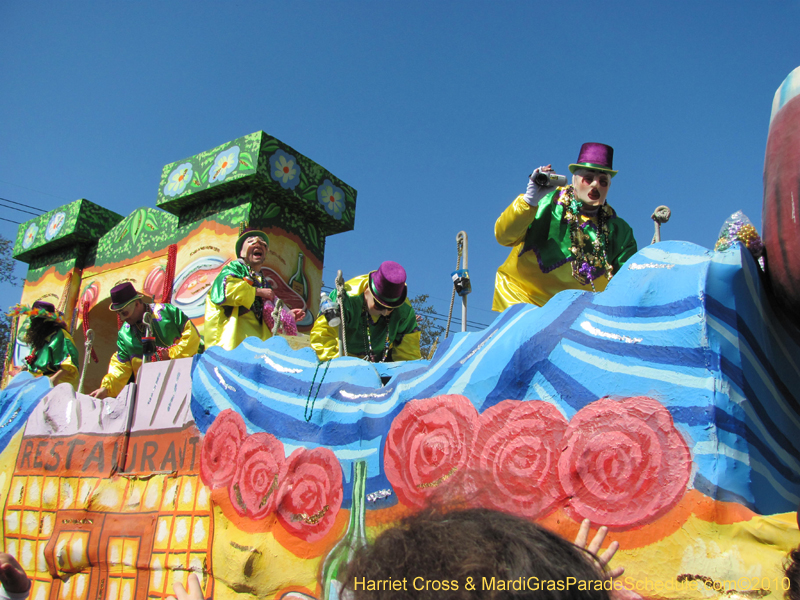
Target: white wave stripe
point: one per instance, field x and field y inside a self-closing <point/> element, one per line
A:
<point x="276" y="366"/>
<point x="220" y="401"/>
<point x="460" y="384"/>
<point x="652" y="326"/>
<point x="371" y="408"/>
<point x="349" y="396"/>
<point x="591" y="329"/>
<point x="673" y="257"/>
<point x="351" y="454"/>
<point x="747" y="354"/>
<point x="713" y="448"/>
<point x="222" y="382"/>
<point x="639" y="371"/>
<point x="640" y="266"/>
<point x="346" y="362"/>
<point x="769" y="322"/>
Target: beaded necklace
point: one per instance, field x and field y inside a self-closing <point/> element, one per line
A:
<point x="257" y="281"/>
<point x="585" y="263"/>
<point x="368" y="337"/>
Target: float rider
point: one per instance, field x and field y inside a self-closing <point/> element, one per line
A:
<point x="380" y="323"/>
<point x="562" y="237"/>
<point x="53" y="352"/>
<point x="235" y="302"/>
<point x="175" y="337"/>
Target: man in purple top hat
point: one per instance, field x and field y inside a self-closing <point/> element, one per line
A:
<point x="379" y="322"/>
<point x="562" y="237"/>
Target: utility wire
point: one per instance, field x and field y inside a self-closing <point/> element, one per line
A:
<point x="25" y="205"/>
<point x="10" y="221"/>
<point x="33" y="190"/>
<point x="18" y="209"/>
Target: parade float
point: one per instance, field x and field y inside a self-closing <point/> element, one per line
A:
<point x="664" y="408"/>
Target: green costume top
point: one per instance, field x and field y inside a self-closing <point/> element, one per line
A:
<point x="176" y="337"/>
<point x="233" y="311"/>
<point x="540" y="263"/>
<point x="58" y="353"/>
<point x="400" y="325"/>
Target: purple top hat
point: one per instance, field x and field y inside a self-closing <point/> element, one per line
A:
<point x="594" y="156"/>
<point x="388" y="284"/>
<point x="122" y="295"/>
<point x="44" y="306"/>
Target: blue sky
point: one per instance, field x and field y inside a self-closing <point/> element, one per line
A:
<point x="434" y="111"/>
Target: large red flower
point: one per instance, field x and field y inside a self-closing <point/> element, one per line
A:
<point x="428" y="447"/>
<point x="311" y="493"/>
<point x="623" y="462"/>
<point x="515" y="459"/>
<point x="220" y="448"/>
<point x="254" y="489"/>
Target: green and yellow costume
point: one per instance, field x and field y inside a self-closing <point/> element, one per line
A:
<point x="58" y="353"/>
<point x="233" y="311"/>
<point x="176" y="337"/>
<point x="540" y="264"/>
<point x="401" y="325"/>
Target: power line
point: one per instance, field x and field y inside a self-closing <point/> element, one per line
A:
<point x="33" y="190"/>
<point x="25" y="205"/>
<point x="19" y="209"/>
<point x="10" y="221"/>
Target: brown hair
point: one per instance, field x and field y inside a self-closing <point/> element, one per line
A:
<point x="792" y="565"/>
<point x="39" y="329"/>
<point x="488" y="546"/>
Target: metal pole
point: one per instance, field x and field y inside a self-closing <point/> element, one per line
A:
<point x="339" y="282"/>
<point x="462" y="239"/>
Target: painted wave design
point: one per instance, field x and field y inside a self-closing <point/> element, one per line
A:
<point x="679" y="324"/>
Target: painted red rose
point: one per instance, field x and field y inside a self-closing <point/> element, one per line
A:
<point x="623" y="462"/>
<point x="254" y="489"/>
<point x="221" y="444"/>
<point x="311" y="493"/>
<point x="428" y="447"/>
<point x="514" y="463"/>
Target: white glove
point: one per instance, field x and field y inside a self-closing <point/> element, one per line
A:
<point x="536" y="192"/>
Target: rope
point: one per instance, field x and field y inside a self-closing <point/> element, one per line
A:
<point x="89" y="335"/>
<point x="459" y="246"/>
<point x="306" y="413"/>
<point x="276" y="317"/>
<point x="660" y="215"/>
<point x="339" y="293"/>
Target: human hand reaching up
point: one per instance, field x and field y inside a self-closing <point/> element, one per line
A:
<point x="195" y="591"/>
